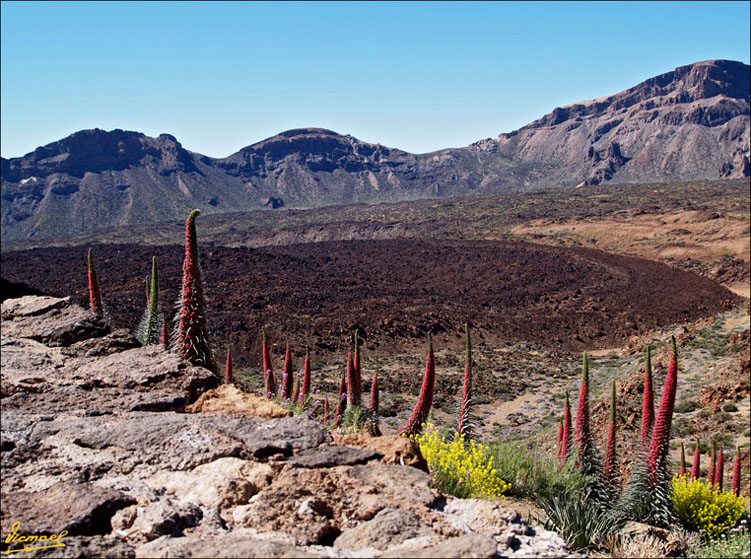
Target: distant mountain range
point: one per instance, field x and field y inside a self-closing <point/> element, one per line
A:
<point x="691" y="123"/>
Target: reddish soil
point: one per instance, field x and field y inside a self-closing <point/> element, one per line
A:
<point x="394" y="291"/>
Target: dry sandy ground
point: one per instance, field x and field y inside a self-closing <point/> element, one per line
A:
<point x="712" y="239"/>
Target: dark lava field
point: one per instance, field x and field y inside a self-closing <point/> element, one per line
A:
<point x="393" y="291"/>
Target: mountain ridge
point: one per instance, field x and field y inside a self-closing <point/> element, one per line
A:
<point x="692" y="122"/>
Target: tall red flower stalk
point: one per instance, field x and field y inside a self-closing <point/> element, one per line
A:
<point x="712" y="463"/>
<point x="296" y="393"/>
<point x="193" y="334"/>
<point x="288" y="380"/>
<point x="164" y="339"/>
<point x="353" y="396"/>
<point x="735" y="485"/>
<point x="425" y="400"/>
<point x="268" y="368"/>
<point x="683" y="460"/>
<point x="342" y="404"/>
<point x="696" y="465"/>
<point x="357" y="386"/>
<point x="374" y="394"/>
<point x="95" y="296"/>
<point x="610" y="468"/>
<point x="659" y="447"/>
<point x="305" y="389"/>
<point x="559" y="447"/>
<point x="648" y="406"/>
<point x="583" y="437"/>
<point x="464" y="410"/>
<point x="720" y="469"/>
<point x="326" y="410"/>
<point x="566" y="443"/>
<point x="228" y="368"/>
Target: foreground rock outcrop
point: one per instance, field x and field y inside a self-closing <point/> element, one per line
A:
<point x="97" y="440"/>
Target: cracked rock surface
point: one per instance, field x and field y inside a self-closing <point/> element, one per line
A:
<point x="97" y="440"/>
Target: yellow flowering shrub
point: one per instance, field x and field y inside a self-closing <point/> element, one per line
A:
<point x="704" y="508"/>
<point x="460" y="468"/>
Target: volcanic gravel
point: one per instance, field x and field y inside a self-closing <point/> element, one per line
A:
<point x="393" y="291"/>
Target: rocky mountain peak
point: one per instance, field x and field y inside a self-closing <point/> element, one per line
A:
<point x="659" y="128"/>
<point x="682" y="86"/>
<point x="94" y="151"/>
<point x="309" y="132"/>
<point x="313" y="149"/>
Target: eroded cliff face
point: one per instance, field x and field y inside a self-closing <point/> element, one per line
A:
<point x="135" y="454"/>
<point x="691" y="123"/>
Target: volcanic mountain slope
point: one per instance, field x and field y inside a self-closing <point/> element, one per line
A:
<point x="690" y="123"/>
<point x="95" y="179"/>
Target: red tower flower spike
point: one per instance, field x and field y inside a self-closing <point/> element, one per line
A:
<point x="268" y="368"/>
<point x="374" y="394"/>
<point x="296" y="393"/>
<point x="735" y="485"/>
<point x="193" y="334"/>
<point x="342" y="404"/>
<point x="683" y="460"/>
<point x="566" y="444"/>
<point x="287" y="376"/>
<point x="164" y="339"/>
<point x="610" y="468"/>
<point x="228" y="368"/>
<point x="305" y="390"/>
<point x="559" y="446"/>
<point x="720" y="468"/>
<point x="712" y="464"/>
<point x="659" y="447"/>
<point x="464" y="408"/>
<point x="95" y="296"/>
<point x="326" y="410"/>
<point x="353" y="398"/>
<point x="425" y="400"/>
<point x="357" y="386"/>
<point x="583" y="438"/>
<point x="647" y="408"/>
<point x="696" y="465"/>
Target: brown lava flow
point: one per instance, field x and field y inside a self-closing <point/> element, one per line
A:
<point x="394" y="291"/>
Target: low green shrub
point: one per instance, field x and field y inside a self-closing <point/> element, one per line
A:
<point x="723" y="439"/>
<point x="579" y="521"/>
<point x="729" y="407"/>
<point x="722" y="416"/>
<point x="687" y="406"/>
<point x="386" y="409"/>
<point x="353" y="420"/>
<point x="534" y="472"/>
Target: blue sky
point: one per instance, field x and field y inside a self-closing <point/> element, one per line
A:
<point x="417" y="76"/>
